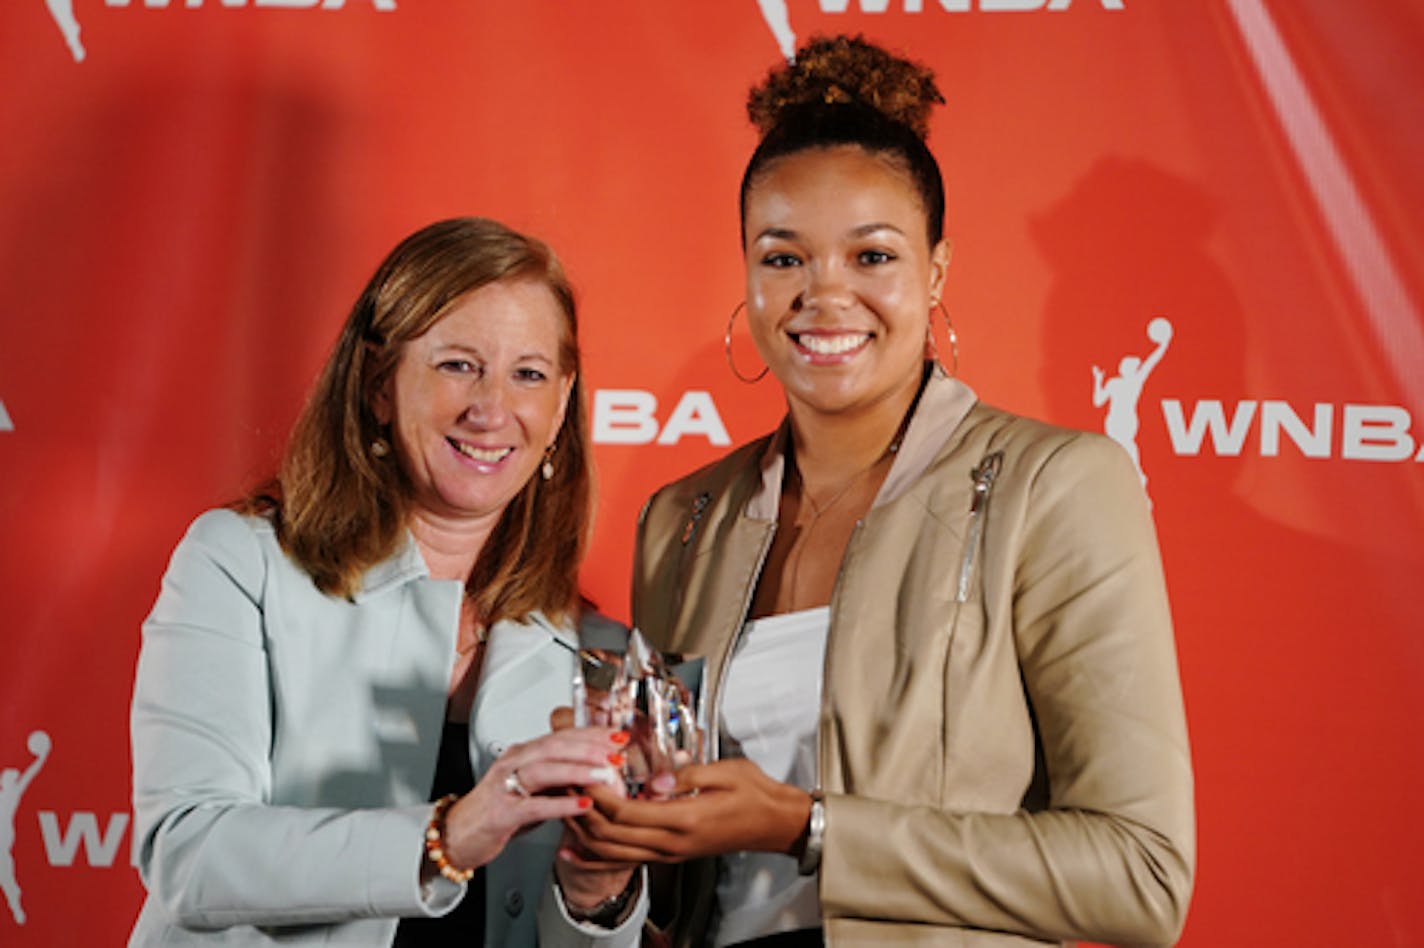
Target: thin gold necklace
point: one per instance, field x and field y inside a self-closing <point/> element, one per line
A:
<point x="803" y="540"/>
<point x="818" y="509"/>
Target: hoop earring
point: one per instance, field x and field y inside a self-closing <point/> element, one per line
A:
<point x="546" y="470"/>
<point x="953" y="342"/>
<point x="727" y="347"/>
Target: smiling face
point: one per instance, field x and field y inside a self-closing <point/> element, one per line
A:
<point x="475" y="400"/>
<point x="840" y="280"/>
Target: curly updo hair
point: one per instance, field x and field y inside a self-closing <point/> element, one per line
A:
<point x="843" y="90"/>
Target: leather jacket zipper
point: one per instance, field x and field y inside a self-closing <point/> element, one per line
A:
<point x="984" y="475"/>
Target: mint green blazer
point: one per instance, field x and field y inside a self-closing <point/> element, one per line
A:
<point x="284" y="744"/>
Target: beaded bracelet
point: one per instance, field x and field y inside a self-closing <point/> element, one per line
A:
<point x="435" y="842"/>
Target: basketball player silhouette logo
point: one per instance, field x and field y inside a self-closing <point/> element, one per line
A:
<point x="776" y="16"/>
<point x="63" y="13"/>
<point x="1122" y="392"/>
<point x="13" y="784"/>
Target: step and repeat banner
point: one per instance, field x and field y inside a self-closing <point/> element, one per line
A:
<point x="1195" y="225"/>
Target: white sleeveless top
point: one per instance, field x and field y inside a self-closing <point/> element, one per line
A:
<point x="770" y="708"/>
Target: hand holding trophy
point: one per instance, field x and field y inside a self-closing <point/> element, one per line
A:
<point x="654" y="697"/>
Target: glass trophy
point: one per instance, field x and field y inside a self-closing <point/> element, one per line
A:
<point x="652" y="696"/>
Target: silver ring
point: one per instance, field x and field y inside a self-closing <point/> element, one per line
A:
<point x="513" y="786"/>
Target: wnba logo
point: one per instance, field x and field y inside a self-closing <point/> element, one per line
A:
<point x="1209" y="426"/>
<point x="778" y="17"/>
<point x="62" y="11"/>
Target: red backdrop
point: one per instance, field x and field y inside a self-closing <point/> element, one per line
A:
<point x="187" y="211"/>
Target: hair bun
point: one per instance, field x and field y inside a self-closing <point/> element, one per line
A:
<point x="846" y="69"/>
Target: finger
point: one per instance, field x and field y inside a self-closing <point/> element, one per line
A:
<point x="721" y="775"/>
<point x="609" y="851"/>
<point x="623" y="855"/>
<point x="528" y="811"/>
<point x="684" y="783"/>
<point x="677" y="815"/>
<point x="541" y="776"/>
<point x="591" y="863"/>
<point x="718" y="775"/>
<point x="597" y="832"/>
<point x="574" y="853"/>
<point x="663" y="786"/>
<point x="606" y="796"/>
<point x="525" y="770"/>
<point x="590" y="745"/>
<point x="700" y="775"/>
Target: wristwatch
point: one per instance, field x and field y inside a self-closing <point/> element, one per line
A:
<point x="810" y="859"/>
<point x="611" y="912"/>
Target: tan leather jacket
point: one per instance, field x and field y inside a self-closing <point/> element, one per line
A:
<point x="1002" y="741"/>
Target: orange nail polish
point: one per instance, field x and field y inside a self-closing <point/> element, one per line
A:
<point x="619" y="737"/>
<point x="616" y="759"/>
<point x="585" y="802"/>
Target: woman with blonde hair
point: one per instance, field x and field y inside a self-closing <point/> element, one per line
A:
<point x="940" y="660"/>
<point x="389" y="622"/>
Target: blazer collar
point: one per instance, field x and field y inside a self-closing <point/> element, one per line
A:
<point x="942" y="406"/>
<point x="515" y="640"/>
<point x="405" y="566"/>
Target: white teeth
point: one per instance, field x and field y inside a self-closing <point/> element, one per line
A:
<point x="487" y="455"/>
<point x="832" y="345"/>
